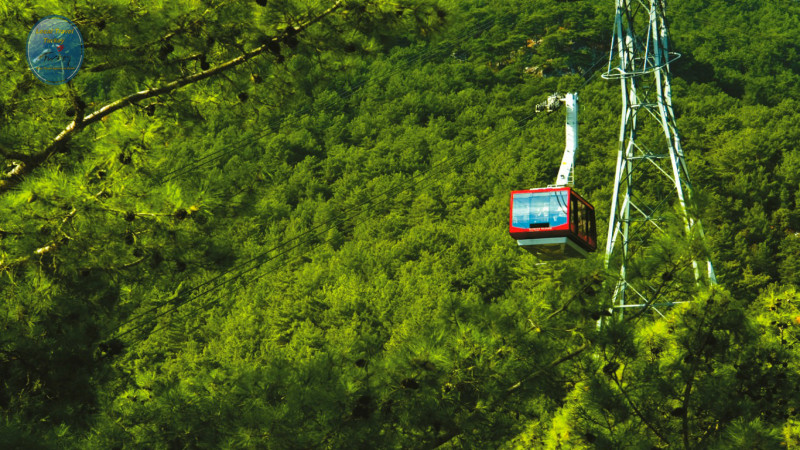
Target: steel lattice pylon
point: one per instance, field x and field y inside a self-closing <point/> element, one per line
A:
<point x="651" y="172"/>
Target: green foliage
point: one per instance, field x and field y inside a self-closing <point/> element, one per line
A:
<point x="310" y="250"/>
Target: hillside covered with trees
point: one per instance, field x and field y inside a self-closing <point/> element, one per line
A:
<point x="284" y="224"/>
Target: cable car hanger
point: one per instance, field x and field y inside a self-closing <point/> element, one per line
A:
<point x="555" y="222"/>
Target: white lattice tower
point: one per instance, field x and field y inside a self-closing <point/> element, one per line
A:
<point x="652" y="180"/>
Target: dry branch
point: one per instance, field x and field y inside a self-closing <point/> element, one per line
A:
<point x="29" y="163"/>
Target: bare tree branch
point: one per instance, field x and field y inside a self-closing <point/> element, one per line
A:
<point x="8" y="154"/>
<point x="639" y="413"/>
<point x="31" y="162"/>
<point x="47" y="248"/>
<point x="553" y="364"/>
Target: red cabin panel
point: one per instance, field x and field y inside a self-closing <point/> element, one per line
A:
<point x="551" y="213"/>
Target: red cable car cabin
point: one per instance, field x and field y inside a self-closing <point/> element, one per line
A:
<point x="553" y="223"/>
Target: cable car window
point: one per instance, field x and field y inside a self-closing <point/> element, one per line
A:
<point x="573" y="214"/>
<point x="558" y="208"/>
<point x="521" y="212"/>
<point x="582" y="221"/>
<point x="585" y="227"/>
<point x="539" y="209"/>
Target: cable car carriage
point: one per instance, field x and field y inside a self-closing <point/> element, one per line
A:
<point x="553" y="223"/>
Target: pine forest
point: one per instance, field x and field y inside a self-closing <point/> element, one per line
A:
<point x="284" y="224"/>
